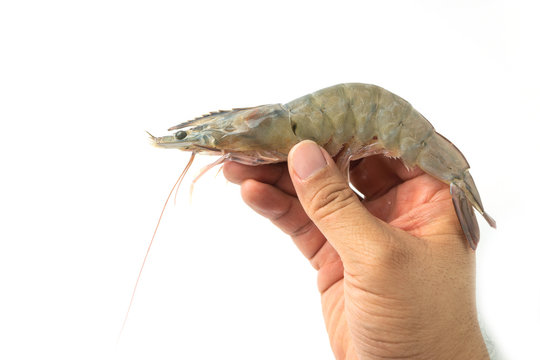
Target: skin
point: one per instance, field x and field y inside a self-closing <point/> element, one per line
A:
<point x="395" y="272"/>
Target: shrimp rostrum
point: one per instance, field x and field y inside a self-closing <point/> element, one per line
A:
<point x="350" y="121"/>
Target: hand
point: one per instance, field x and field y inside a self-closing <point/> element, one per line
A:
<point x="395" y="272"/>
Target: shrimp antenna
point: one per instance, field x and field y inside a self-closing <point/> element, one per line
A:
<point x="177" y="183"/>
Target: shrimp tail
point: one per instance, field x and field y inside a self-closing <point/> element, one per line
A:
<point x="465" y="214"/>
<point x="491" y="221"/>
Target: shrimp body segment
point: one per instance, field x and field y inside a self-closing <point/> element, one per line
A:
<point x="350" y="121"/>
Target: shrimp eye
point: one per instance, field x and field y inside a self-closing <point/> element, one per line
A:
<point x="180" y="135"/>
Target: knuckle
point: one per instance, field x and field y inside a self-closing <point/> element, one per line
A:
<point x="302" y="230"/>
<point x="383" y="247"/>
<point x="331" y="199"/>
<point x="282" y="214"/>
<point x="394" y="252"/>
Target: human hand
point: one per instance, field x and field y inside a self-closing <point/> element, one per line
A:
<point x="395" y="272"/>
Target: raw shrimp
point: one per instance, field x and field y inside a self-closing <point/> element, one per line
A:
<point x="350" y="121"/>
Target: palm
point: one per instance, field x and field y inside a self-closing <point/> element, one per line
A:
<point x="408" y="200"/>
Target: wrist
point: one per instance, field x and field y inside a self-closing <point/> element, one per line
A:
<point x="460" y="342"/>
<point x="450" y="337"/>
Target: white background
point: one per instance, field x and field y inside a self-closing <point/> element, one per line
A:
<point x="81" y="189"/>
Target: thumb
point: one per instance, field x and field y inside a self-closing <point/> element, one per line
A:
<point x="333" y="207"/>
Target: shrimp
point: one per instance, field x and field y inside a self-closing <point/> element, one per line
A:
<point x="350" y="121"/>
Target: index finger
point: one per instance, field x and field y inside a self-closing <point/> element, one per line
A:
<point x="272" y="174"/>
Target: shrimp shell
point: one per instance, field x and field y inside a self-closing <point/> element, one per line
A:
<point x="350" y="121"/>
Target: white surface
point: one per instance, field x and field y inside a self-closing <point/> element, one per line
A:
<point x="81" y="188"/>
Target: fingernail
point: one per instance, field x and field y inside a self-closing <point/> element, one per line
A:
<point x="307" y="159"/>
